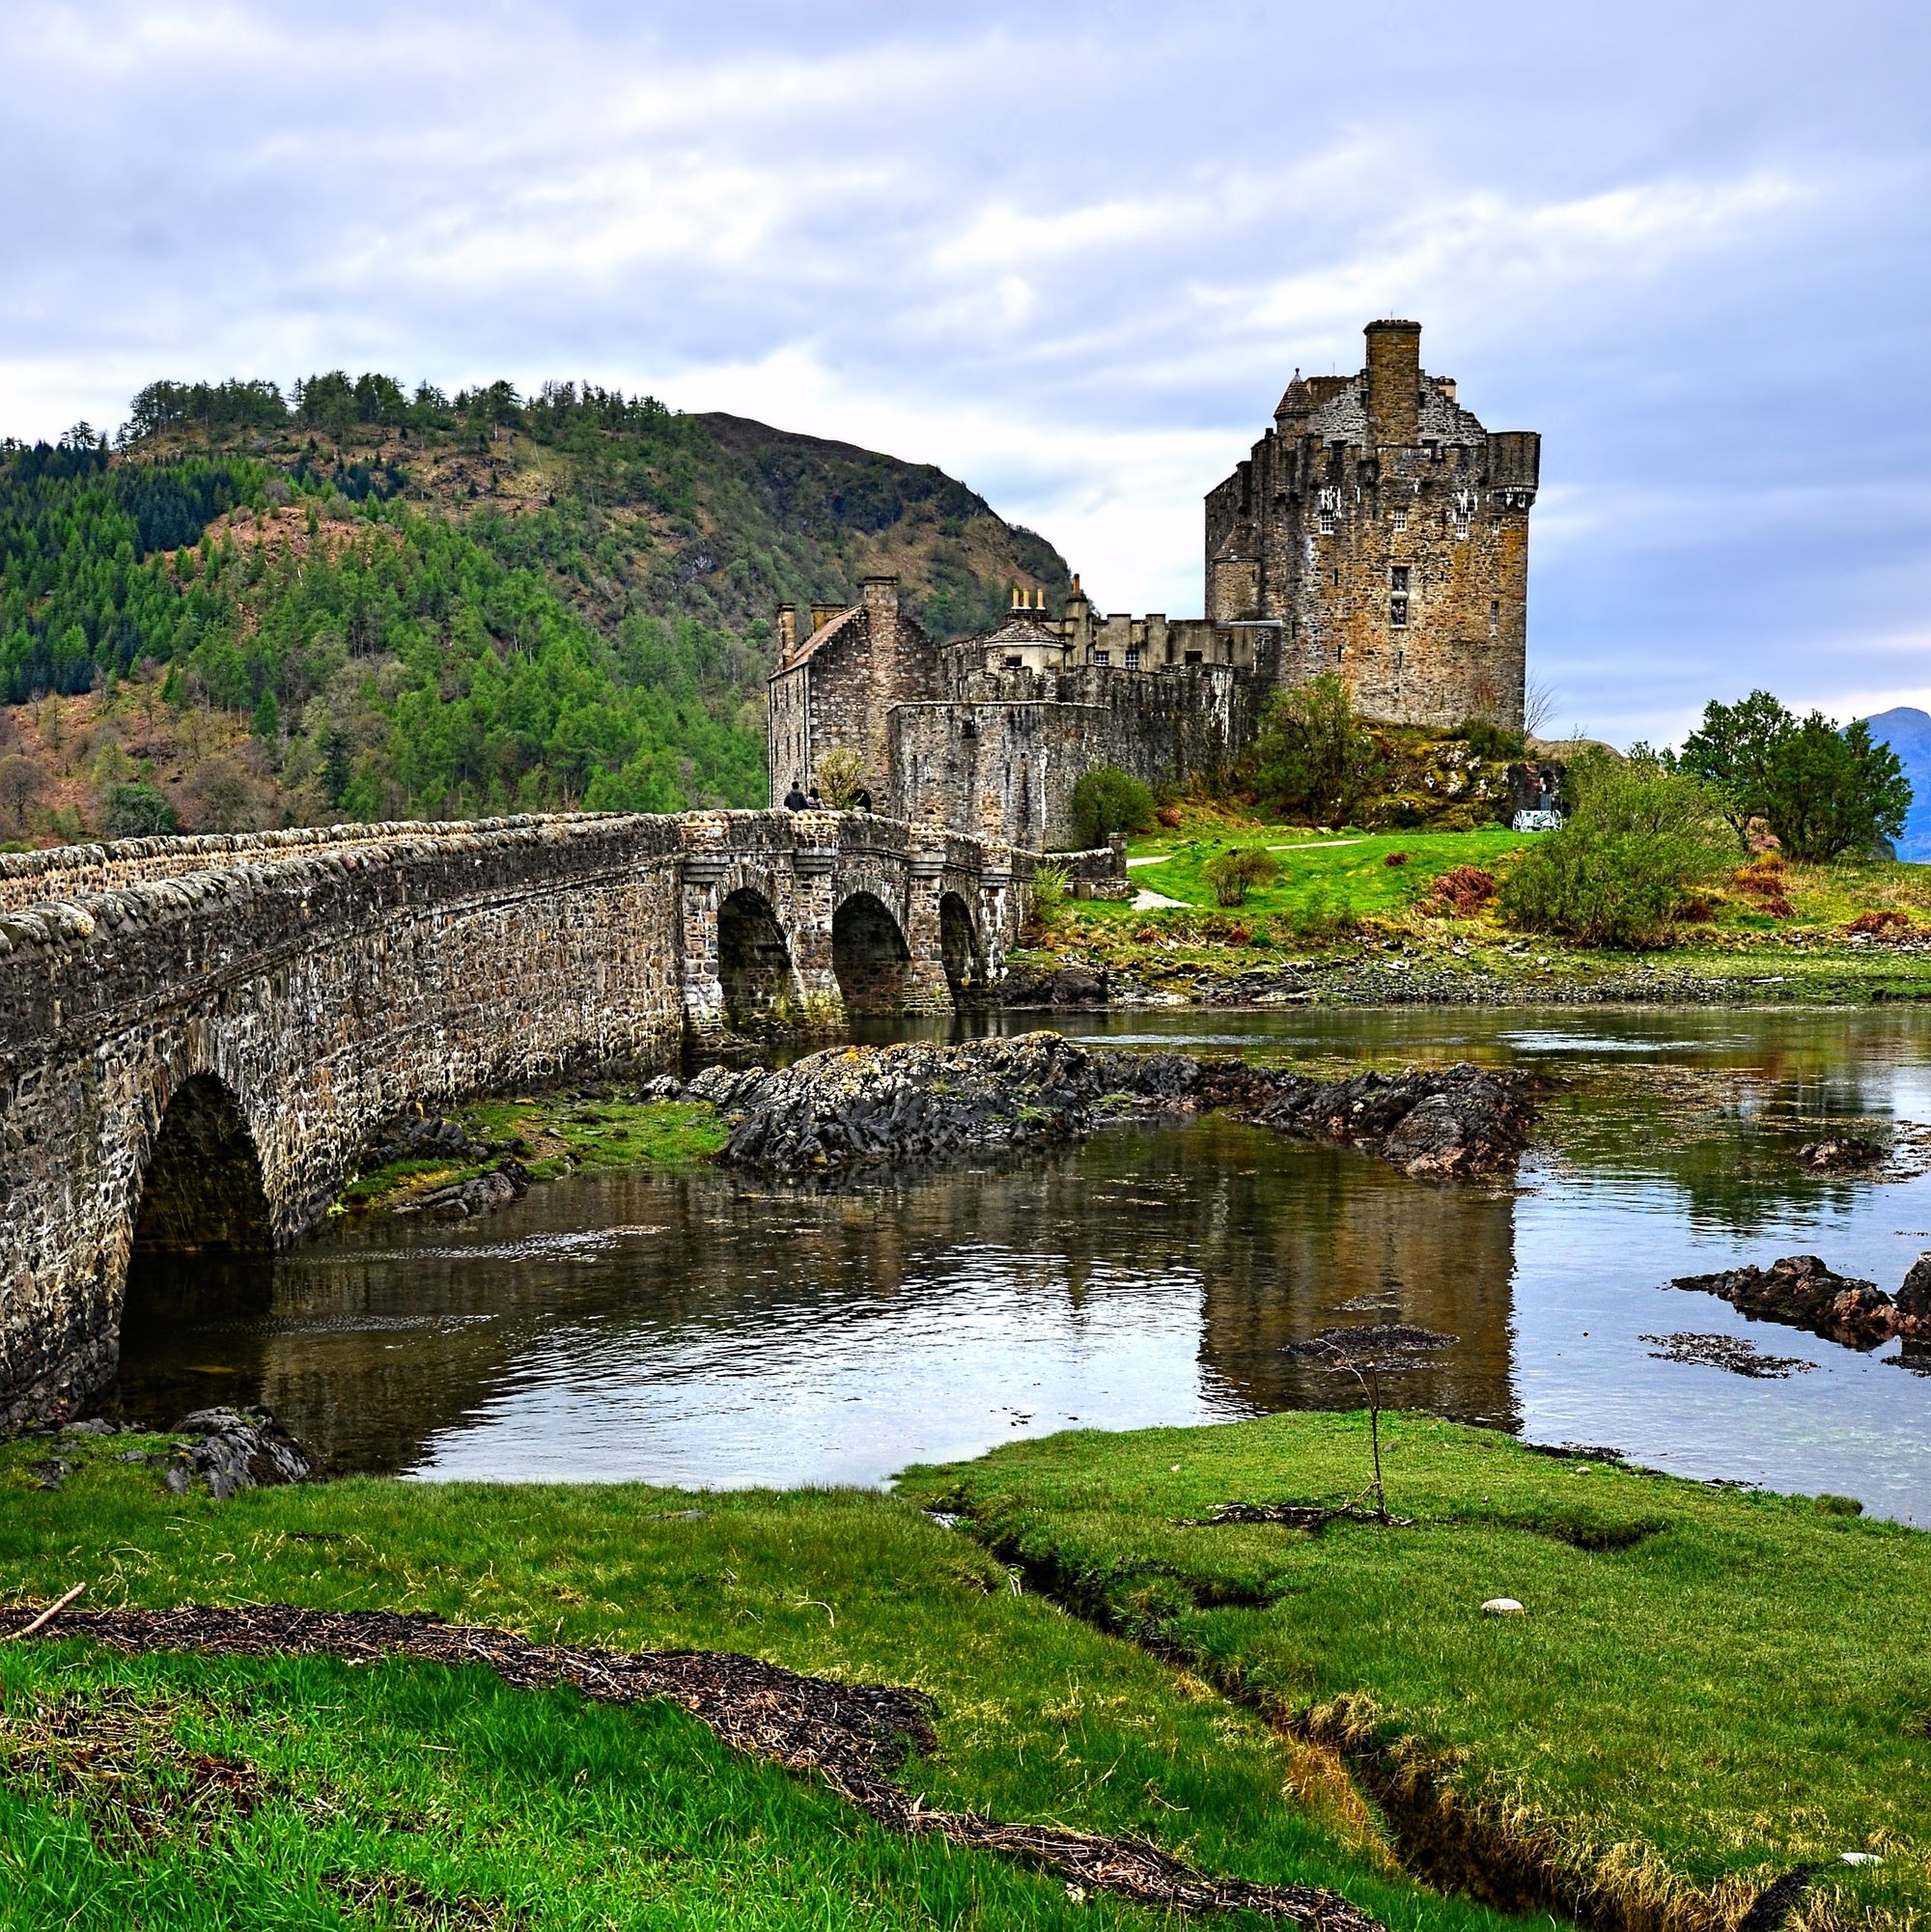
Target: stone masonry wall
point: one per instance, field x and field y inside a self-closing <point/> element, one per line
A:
<point x="1002" y="756"/>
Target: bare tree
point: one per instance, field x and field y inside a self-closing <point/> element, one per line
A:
<point x="1368" y="1353"/>
<point x="21" y="781"/>
<point x="1538" y="707"/>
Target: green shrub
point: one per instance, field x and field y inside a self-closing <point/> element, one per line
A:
<point x="1615" y="874"/>
<point x="1048" y="895"/>
<point x="1489" y="739"/>
<point x="838" y="775"/>
<point x="1107" y="800"/>
<point x="1234" y="873"/>
<point x="138" y="811"/>
<point x="1313" y="757"/>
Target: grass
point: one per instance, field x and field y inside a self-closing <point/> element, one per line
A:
<point x="1345" y="874"/>
<point x="1342" y="911"/>
<point x="570" y="1132"/>
<point x="413" y="1796"/>
<point x="1707" y="1690"/>
<point x="554" y="1135"/>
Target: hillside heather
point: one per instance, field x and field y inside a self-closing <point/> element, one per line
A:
<point x="362" y="603"/>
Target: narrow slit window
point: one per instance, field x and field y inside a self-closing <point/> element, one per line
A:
<point x="1398" y="612"/>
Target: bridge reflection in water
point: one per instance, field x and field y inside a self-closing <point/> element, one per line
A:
<point x="701" y="1329"/>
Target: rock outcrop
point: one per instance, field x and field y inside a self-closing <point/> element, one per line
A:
<point x="464" y="1199"/>
<point x="1844" y="1154"/>
<point x="1802" y="1293"/>
<point x="232" y="1449"/>
<point x="416" y="1137"/>
<point x="857" y="1106"/>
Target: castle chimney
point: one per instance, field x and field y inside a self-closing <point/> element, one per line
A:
<point x="1018" y="594"/>
<point x="786" y="631"/>
<point x="881" y="594"/>
<point x="1394" y="380"/>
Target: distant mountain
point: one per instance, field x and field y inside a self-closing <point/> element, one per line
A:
<point x="356" y="602"/>
<point x="1907" y="731"/>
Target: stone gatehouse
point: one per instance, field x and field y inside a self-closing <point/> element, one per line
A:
<point x="1377" y="531"/>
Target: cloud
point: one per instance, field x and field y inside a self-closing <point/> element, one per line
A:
<point x="1071" y="255"/>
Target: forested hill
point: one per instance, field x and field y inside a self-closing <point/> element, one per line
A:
<point x="360" y="603"/>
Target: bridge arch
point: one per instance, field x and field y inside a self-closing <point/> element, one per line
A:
<point x="870" y="955"/>
<point x="203" y="1188"/>
<point x="754" y="962"/>
<point x="959" y="950"/>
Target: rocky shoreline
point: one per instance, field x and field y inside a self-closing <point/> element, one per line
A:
<point x="852" y="1107"/>
<point x="1393" y="973"/>
<point x="1801" y="1292"/>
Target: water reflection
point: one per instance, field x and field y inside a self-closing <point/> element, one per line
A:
<point x="707" y="1329"/>
<point x="703" y="1328"/>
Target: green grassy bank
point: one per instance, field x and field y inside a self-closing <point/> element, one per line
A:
<point x="1358" y="917"/>
<point x="552" y="1135"/>
<point x="1706" y="1689"/>
<point x="186" y="1792"/>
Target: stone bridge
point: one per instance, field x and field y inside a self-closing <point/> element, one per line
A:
<point x="199" y="1035"/>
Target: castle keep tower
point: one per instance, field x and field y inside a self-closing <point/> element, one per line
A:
<point x="1385" y="532"/>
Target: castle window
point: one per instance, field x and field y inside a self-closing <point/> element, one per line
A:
<point x="1398" y="613"/>
<point x="1193" y="657"/>
<point x="1133" y="657"/>
<point x="1495" y="615"/>
<point x="1398" y="578"/>
<point x="1103" y="657"/>
<point x="1327" y="522"/>
<point x="1400" y="522"/>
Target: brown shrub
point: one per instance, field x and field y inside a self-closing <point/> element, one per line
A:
<point x="1395" y="859"/>
<point x="1169" y="817"/>
<point x="1880" y="923"/>
<point x="1461" y="892"/>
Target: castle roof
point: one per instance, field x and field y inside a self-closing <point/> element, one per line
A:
<point x="1334" y="409"/>
<point x="1023" y="628"/>
<point x="823" y="635"/>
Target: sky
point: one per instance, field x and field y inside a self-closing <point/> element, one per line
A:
<point x="1072" y="254"/>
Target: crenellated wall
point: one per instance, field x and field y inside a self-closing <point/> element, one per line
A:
<point x="272" y="999"/>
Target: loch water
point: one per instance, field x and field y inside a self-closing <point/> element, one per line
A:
<point x="703" y="1327"/>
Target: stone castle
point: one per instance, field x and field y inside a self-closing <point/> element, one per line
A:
<point x="1377" y="531"/>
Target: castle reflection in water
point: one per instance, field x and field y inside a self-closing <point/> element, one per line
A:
<point x="1175" y="1263"/>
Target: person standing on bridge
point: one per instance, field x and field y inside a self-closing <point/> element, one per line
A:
<point x="862" y="799"/>
<point x="813" y="802"/>
<point x="795" y="800"/>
